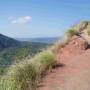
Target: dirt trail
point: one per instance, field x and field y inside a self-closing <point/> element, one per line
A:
<point x="74" y="74"/>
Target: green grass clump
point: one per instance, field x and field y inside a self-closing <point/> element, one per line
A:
<point x="71" y="32"/>
<point x="26" y="75"/>
<point x="46" y="59"/>
<point x="88" y="32"/>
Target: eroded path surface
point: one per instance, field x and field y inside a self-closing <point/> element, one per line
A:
<point x="75" y="71"/>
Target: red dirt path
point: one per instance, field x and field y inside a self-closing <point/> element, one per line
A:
<point x="75" y="72"/>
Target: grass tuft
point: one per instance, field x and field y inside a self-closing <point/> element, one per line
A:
<point x="88" y="32"/>
<point x="71" y="32"/>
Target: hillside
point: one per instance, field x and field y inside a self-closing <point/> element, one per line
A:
<point x="18" y="53"/>
<point x="12" y="50"/>
<point x="6" y="42"/>
<point x="73" y="70"/>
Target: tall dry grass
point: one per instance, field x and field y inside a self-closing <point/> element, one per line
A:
<point x="27" y="74"/>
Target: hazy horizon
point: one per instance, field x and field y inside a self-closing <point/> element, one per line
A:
<point x="41" y="18"/>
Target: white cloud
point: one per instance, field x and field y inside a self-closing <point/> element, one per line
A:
<point x="21" y="20"/>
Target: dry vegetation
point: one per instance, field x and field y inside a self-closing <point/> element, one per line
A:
<point x="26" y="74"/>
<point x="88" y="32"/>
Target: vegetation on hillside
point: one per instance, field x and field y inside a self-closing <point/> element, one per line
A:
<point x="17" y="70"/>
<point x="26" y="74"/>
<point x="72" y="32"/>
<point x="7" y="42"/>
<point x="62" y="42"/>
<point x="17" y="54"/>
<point x="88" y="32"/>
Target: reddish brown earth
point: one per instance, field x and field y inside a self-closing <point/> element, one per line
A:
<point x="74" y="73"/>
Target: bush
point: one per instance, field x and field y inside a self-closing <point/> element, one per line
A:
<point x="26" y="75"/>
<point x="71" y="32"/>
<point x="47" y="59"/>
<point x="88" y="32"/>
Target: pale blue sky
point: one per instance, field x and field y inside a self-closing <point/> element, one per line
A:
<point x="41" y="18"/>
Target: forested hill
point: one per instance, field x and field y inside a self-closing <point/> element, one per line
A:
<point x="6" y="42"/>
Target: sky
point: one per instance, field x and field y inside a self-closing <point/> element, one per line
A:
<point x="41" y="18"/>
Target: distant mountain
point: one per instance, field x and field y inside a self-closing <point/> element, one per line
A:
<point x="6" y="42"/>
<point x="48" y="40"/>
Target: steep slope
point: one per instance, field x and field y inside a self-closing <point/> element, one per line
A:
<point x="6" y="42"/>
<point x="74" y="69"/>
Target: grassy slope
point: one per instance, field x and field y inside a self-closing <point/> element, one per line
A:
<point x="26" y="74"/>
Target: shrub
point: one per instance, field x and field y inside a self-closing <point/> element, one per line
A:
<point x="88" y="32"/>
<point x="26" y="75"/>
<point x="47" y="59"/>
<point x="71" y="32"/>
